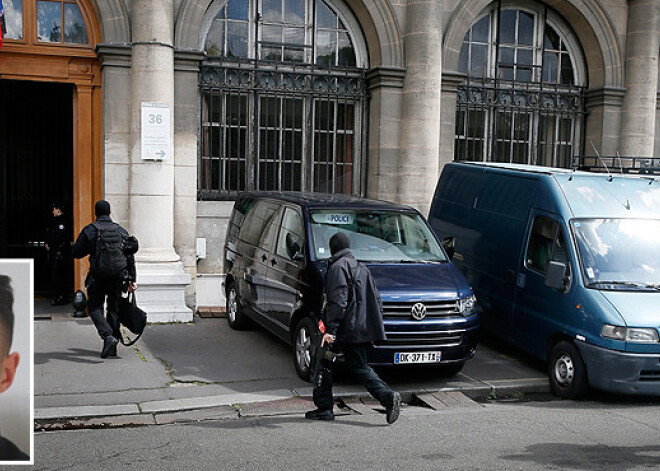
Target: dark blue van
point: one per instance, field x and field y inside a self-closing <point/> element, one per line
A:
<point x="277" y="250"/>
<point x="565" y="265"/>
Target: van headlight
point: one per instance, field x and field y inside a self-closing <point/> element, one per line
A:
<point x="467" y="306"/>
<point x="629" y="334"/>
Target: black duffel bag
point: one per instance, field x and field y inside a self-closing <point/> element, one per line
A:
<point x="131" y="317"/>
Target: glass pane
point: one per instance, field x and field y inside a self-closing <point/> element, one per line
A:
<point x="294" y="11"/>
<point x="565" y="128"/>
<point x="74" y="25"/>
<point x="49" y="22"/>
<point x="324" y="115"/>
<point x="271" y="53"/>
<point x="325" y="17"/>
<point x="520" y="153"/>
<point x="237" y="10"/>
<point x="293" y="113"/>
<point x="502" y="151"/>
<point x="566" y="70"/>
<point x="271" y="10"/>
<point x="215" y="40"/>
<point x="13" y="12"/>
<point x="508" y="27"/>
<point x="236" y="111"/>
<point x="269" y="113"/>
<point x="271" y="34"/>
<point x="345" y="118"/>
<point x="550" y="61"/>
<point x="481" y="30"/>
<point x="550" y="39"/>
<point x="475" y="124"/>
<point x="463" y="59"/>
<point x="326" y="43"/>
<point x="525" y="29"/>
<point x="212" y="107"/>
<point x="346" y="52"/>
<point x="236" y="39"/>
<point x="294" y="54"/>
<point x="507" y="55"/>
<point x="479" y="60"/>
<point x="503" y="126"/>
<point x="521" y="128"/>
<point x="460" y="122"/>
<point x="294" y="36"/>
<point x="524" y="57"/>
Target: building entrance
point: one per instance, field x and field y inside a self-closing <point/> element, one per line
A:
<point x="36" y="168"/>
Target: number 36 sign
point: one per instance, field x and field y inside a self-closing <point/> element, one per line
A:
<point x="156" y="137"/>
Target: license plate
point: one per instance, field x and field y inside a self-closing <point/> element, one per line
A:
<point x="416" y="357"/>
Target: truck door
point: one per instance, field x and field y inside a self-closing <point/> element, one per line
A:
<point x="540" y="310"/>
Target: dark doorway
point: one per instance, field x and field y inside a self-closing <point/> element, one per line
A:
<point x="36" y="168"/>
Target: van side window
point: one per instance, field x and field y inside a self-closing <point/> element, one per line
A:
<point x="546" y="243"/>
<point x="257" y="220"/>
<point x="291" y="224"/>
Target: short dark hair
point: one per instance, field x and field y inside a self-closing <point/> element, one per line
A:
<point x="102" y="208"/>
<point x="6" y="314"/>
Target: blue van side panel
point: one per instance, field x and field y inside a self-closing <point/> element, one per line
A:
<point x="486" y="212"/>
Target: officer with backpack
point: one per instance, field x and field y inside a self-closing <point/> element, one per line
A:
<point x="110" y="267"/>
<point x="353" y="319"/>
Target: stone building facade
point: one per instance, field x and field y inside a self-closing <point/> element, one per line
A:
<point x="370" y="97"/>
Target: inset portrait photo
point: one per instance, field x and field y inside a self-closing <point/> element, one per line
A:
<point x="16" y="361"/>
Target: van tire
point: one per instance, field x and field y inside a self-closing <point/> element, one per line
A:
<point x="235" y="317"/>
<point x="301" y="345"/>
<point x="567" y="372"/>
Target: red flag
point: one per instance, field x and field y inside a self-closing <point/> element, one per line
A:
<point x="3" y="26"/>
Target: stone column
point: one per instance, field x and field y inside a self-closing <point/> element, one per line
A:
<point x="420" y="127"/>
<point x="639" y="104"/>
<point x="161" y="277"/>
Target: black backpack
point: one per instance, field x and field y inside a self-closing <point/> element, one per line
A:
<point x="109" y="258"/>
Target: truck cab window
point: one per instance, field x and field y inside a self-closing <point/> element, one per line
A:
<point x="546" y="243"/>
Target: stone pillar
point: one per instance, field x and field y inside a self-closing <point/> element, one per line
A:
<point x="639" y="104"/>
<point x="420" y="127"/>
<point x="161" y="277"/>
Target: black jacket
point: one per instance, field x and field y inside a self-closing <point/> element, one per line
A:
<point x="86" y="245"/>
<point x="58" y="236"/>
<point x="10" y="452"/>
<point x="366" y="325"/>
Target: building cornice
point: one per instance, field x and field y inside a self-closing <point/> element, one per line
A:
<point x="386" y="77"/>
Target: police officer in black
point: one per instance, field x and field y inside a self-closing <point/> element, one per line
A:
<point x="58" y="245"/>
<point x="98" y="287"/>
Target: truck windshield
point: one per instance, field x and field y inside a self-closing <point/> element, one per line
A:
<point x="619" y="254"/>
<point x="377" y="236"/>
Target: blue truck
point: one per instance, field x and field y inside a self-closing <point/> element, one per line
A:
<point x="565" y="265"/>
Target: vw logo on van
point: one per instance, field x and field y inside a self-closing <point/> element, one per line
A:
<point x="418" y="311"/>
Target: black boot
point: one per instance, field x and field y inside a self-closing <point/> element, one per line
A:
<point x="320" y="414"/>
<point x="109" y="344"/>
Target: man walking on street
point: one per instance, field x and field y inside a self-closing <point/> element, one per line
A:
<point x="353" y="319"/>
<point x="109" y="267"/>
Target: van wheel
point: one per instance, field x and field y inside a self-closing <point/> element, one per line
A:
<point x="235" y="318"/>
<point x="302" y="342"/>
<point x="568" y="374"/>
<point x="447" y="371"/>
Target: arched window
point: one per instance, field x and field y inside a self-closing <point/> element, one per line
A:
<point x="283" y="98"/>
<point x="523" y="100"/>
<point x="46" y="23"/>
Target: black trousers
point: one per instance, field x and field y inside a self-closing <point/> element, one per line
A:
<point x="355" y="356"/>
<point x="98" y="291"/>
<point x="59" y="275"/>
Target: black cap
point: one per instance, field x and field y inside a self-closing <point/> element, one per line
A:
<point x="102" y="208"/>
<point x="339" y="241"/>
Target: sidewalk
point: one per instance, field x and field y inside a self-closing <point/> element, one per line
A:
<point x="214" y="371"/>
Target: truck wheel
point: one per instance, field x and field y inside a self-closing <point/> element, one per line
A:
<point x="302" y="342"/>
<point x="568" y="374"/>
<point x="235" y="318"/>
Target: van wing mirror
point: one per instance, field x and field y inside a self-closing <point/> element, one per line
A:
<point x="448" y="245"/>
<point x="556" y="275"/>
<point x="293" y="248"/>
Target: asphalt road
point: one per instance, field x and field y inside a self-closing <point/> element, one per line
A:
<point x="606" y="433"/>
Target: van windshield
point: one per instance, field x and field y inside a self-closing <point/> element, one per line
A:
<point x="619" y="254"/>
<point x="377" y="236"/>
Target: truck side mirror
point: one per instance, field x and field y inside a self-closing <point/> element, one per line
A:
<point x="556" y="275"/>
<point x="448" y="245"/>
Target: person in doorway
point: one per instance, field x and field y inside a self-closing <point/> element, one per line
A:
<point x="353" y="319"/>
<point x="8" y="361"/>
<point x="110" y="267"/>
<point x="58" y="245"/>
